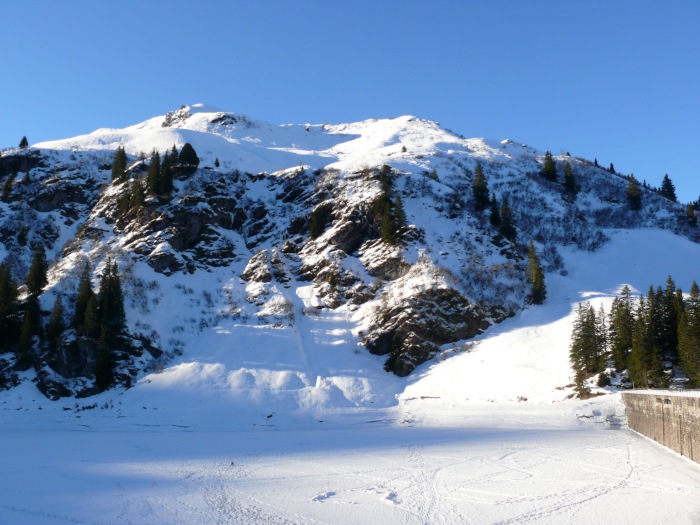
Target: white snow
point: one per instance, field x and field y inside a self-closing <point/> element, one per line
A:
<point x="289" y="424"/>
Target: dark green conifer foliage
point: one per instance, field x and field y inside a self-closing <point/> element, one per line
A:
<point x="7" y="186"/>
<point x="535" y="276"/>
<point x="104" y="362"/>
<point x="645" y="361"/>
<point x="137" y="196"/>
<point x="667" y="189"/>
<point x="317" y="221"/>
<point x="690" y="215"/>
<point x="92" y="319"/>
<point x="399" y="213"/>
<point x="24" y="143"/>
<point x="119" y="164"/>
<point x="216" y="162"/>
<point x="634" y="194"/>
<point x="586" y="349"/>
<point x="25" y="347"/>
<point x="569" y="181"/>
<point x="611" y="169"/>
<point x="153" y="174"/>
<point x="38" y="271"/>
<point x="111" y="300"/>
<point x="174" y="156"/>
<point x="549" y="169"/>
<point x="621" y="325"/>
<point x="165" y="186"/>
<point x="480" y="189"/>
<point x="188" y="157"/>
<point x="56" y="325"/>
<point x="689" y="336"/>
<point x="85" y="294"/>
<point x="506" y="213"/>
<point x="9" y="323"/>
<point x="494" y="214"/>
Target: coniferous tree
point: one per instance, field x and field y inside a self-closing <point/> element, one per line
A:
<point x="670" y="310"/>
<point x="549" y="169"/>
<point x="645" y="364"/>
<point x="25" y="346"/>
<point x="480" y="189"/>
<point x="9" y="323"/>
<point x="92" y="319"/>
<point x="165" y="186"/>
<point x="689" y="336"/>
<point x="691" y="216"/>
<point x="621" y="328"/>
<point x="137" y="197"/>
<point x="153" y="174"/>
<point x="399" y="213"/>
<point x="38" y="271"/>
<point x="667" y="189"/>
<point x="24" y="143"/>
<point x="506" y="213"/>
<point x="188" y="157"/>
<point x="535" y="276"/>
<point x="634" y="194"/>
<point x="611" y="169"/>
<point x="85" y="294"/>
<point x="7" y="187"/>
<point x="569" y="181"/>
<point x="585" y="351"/>
<point x="494" y="213"/>
<point x="56" y="325"/>
<point x="119" y="164"/>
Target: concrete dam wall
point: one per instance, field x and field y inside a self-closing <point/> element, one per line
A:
<point x="671" y="418"/>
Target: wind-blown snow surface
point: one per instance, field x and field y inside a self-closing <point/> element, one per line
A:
<point x="484" y="436"/>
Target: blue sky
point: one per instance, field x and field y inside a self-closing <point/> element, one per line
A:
<point x="614" y="80"/>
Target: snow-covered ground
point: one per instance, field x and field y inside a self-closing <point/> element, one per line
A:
<point x="293" y="426"/>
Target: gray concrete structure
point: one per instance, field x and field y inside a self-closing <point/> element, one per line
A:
<point x="672" y="418"/>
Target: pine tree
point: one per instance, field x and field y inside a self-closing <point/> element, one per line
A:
<point x="24" y="143"/>
<point x="569" y="181"/>
<point x="399" y="213"/>
<point x="611" y="169"/>
<point x="119" y="164"/>
<point x="137" y="197"/>
<point x="153" y="174"/>
<point x="8" y="308"/>
<point x="634" y="194"/>
<point x="92" y="319"/>
<point x="38" y="271"/>
<point x="507" y="229"/>
<point x="111" y="299"/>
<point x="104" y="362"/>
<point x="667" y="189"/>
<point x="56" y="325"/>
<point x="621" y="326"/>
<point x="25" y="346"/>
<point x="188" y="157"/>
<point x="85" y="294"/>
<point x="691" y="216"/>
<point x="216" y="162"/>
<point x="586" y="350"/>
<point x="165" y="186"/>
<point x="494" y="213"/>
<point x="689" y="336"/>
<point x="535" y="276"/>
<point x="549" y="169"/>
<point x="480" y="189"/>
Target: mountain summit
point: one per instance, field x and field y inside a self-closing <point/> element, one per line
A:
<point x="299" y="260"/>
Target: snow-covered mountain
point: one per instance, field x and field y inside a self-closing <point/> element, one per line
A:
<point x="266" y="277"/>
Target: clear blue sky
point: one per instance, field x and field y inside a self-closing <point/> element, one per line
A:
<point x="614" y="80"/>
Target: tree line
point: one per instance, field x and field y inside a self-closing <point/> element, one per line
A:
<point x="96" y="323"/>
<point x="644" y="336"/>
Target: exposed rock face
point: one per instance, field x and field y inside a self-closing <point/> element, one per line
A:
<point x="387" y="238"/>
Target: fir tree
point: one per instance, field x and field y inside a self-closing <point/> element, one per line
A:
<point x="85" y="294"/>
<point x="494" y="213"/>
<point x="56" y="325"/>
<point x="507" y="229"/>
<point x="689" y="336"/>
<point x="480" y="189"/>
<point x="37" y="278"/>
<point x="104" y="362"/>
<point x="216" y="162"/>
<point x="119" y="164"/>
<point x="611" y="169"/>
<point x="7" y="187"/>
<point x="153" y="174"/>
<point x="25" y="346"/>
<point x="585" y="351"/>
<point x="165" y="186"/>
<point x="691" y="216"/>
<point x="399" y="213"/>
<point x="188" y="157"/>
<point x="667" y="189"/>
<point x="535" y="276"/>
<point x="569" y="181"/>
<point x="24" y="143"/>
<point x="92" y="319"/>
<point x="634" y="194"/>
<point x="621" y="328"/>
<point x="137" y="197"/>
<point x="549" y="169"/>
<point x="8" y="308"/>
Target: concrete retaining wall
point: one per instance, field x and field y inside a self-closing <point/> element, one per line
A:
<point x="671" y="418"/>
